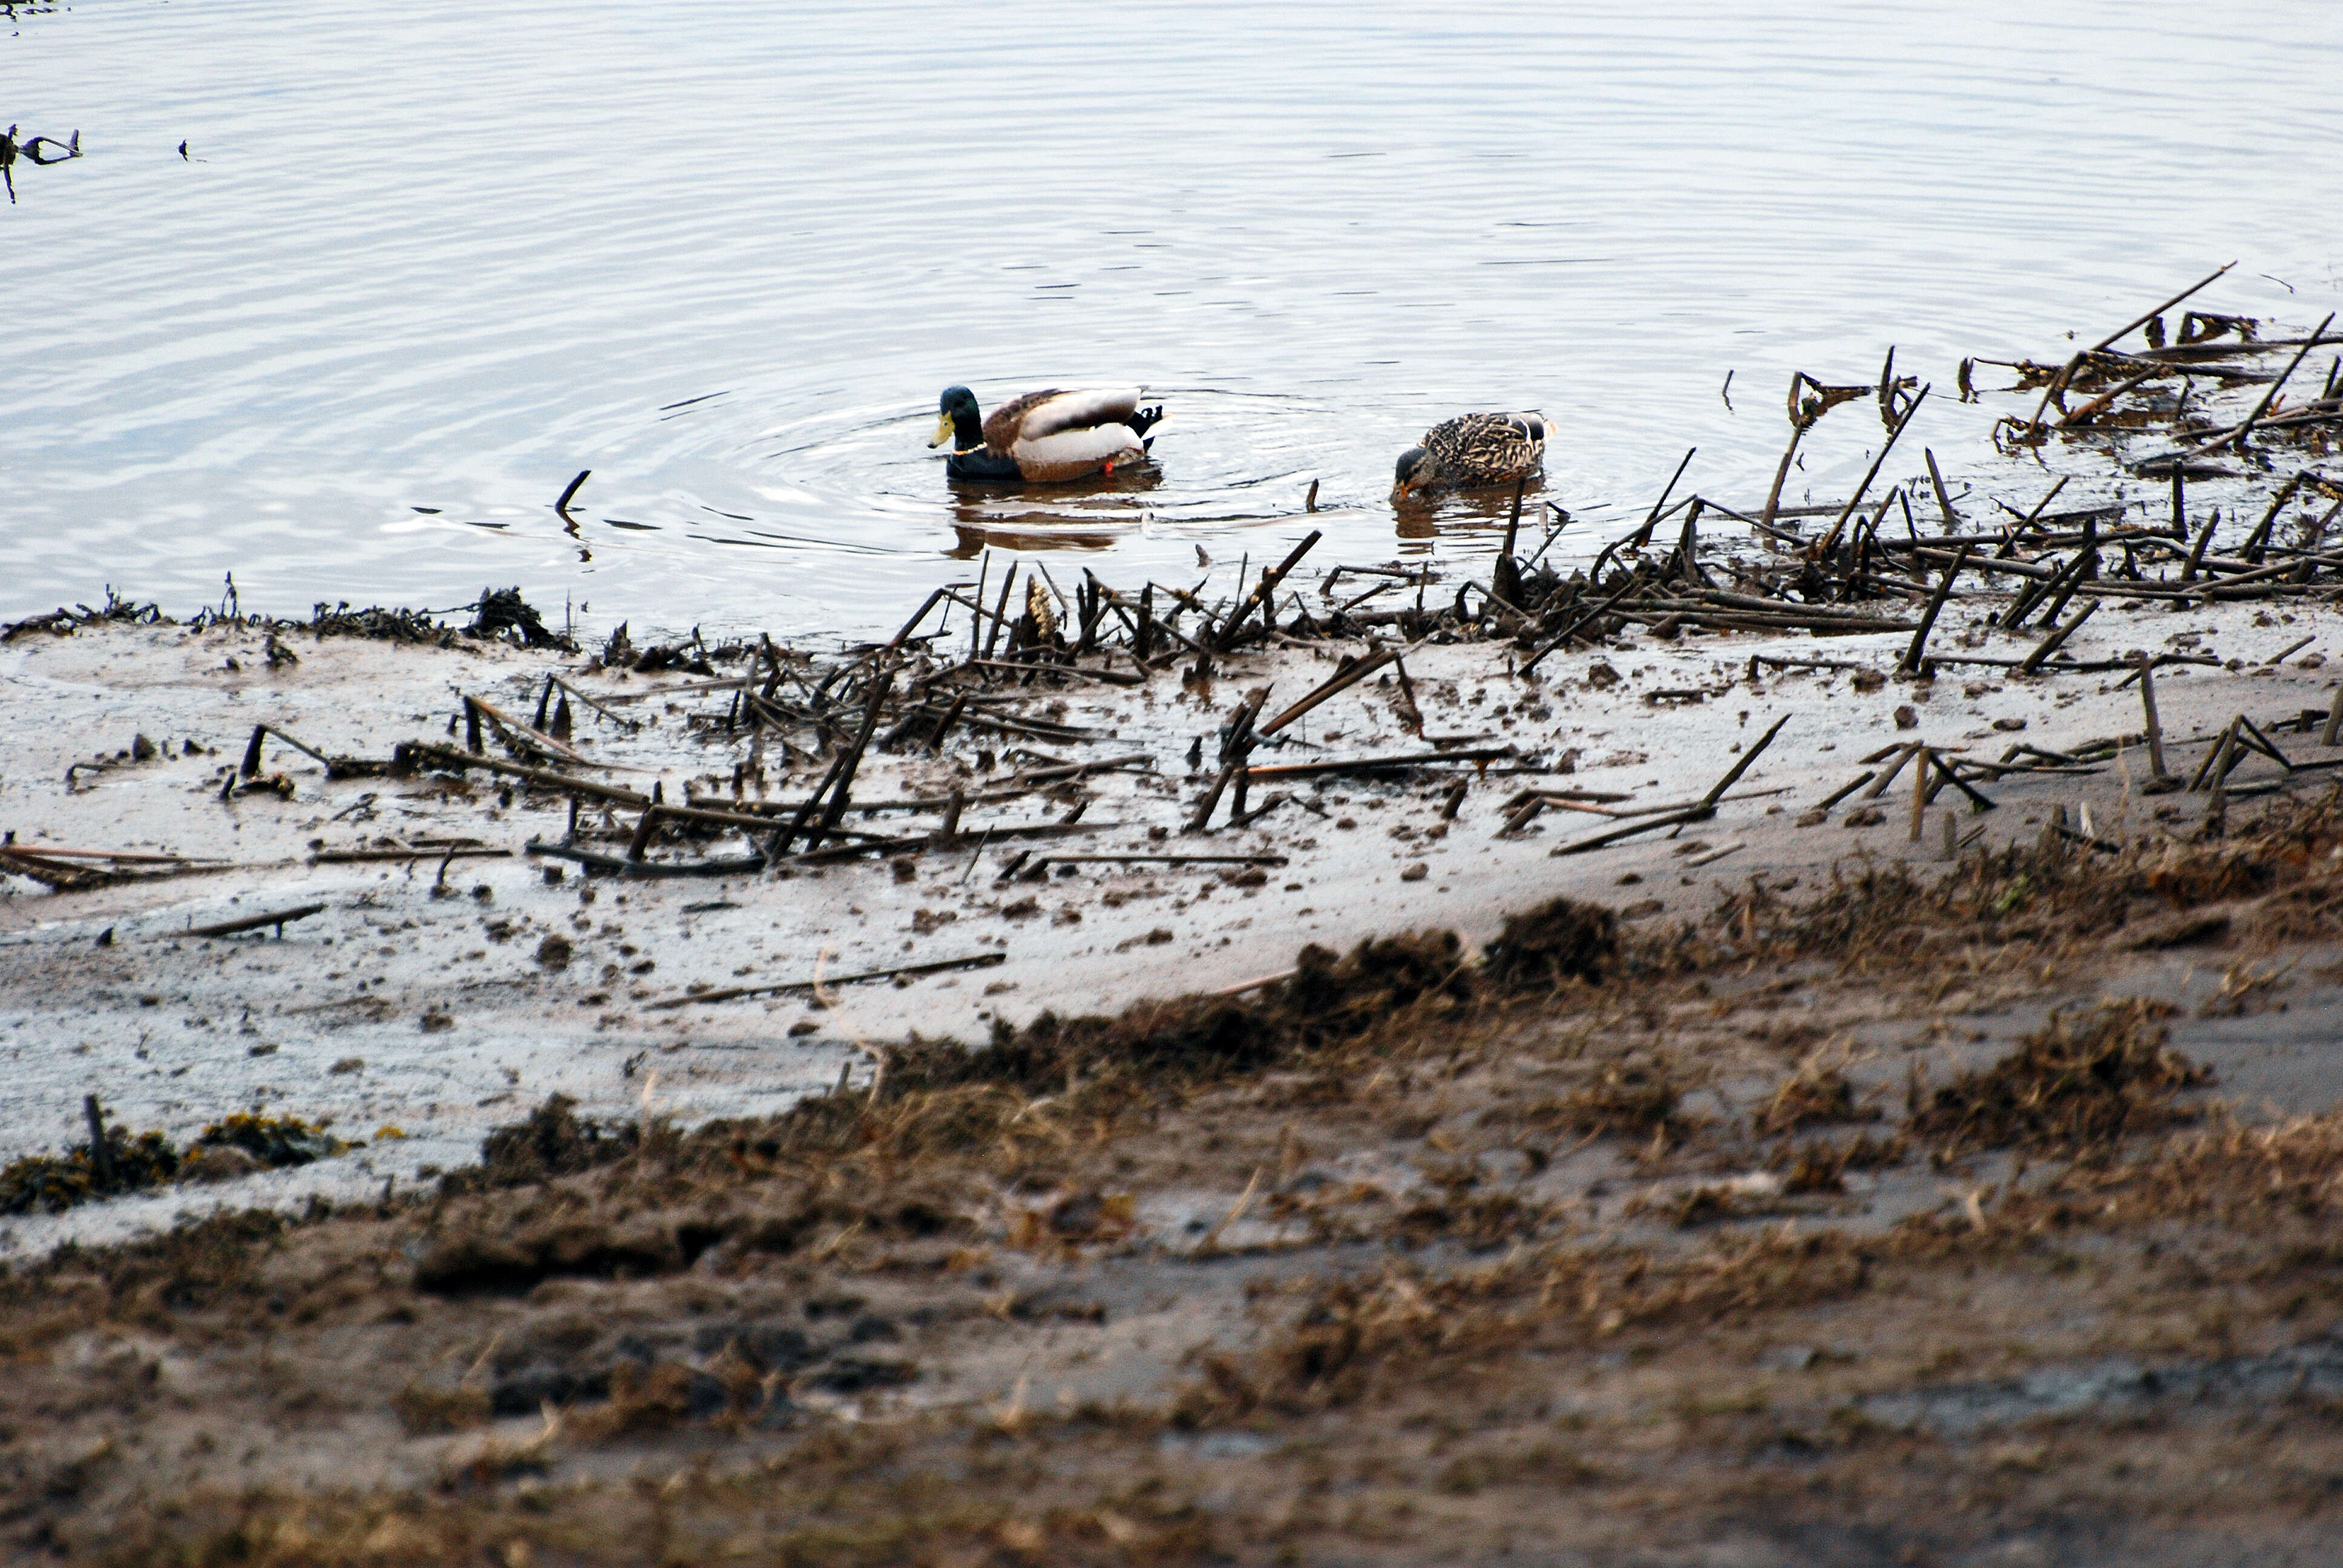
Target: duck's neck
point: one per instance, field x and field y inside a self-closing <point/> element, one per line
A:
<point x="968" y="431"/>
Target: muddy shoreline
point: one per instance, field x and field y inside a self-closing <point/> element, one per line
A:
<point x="1078" y="1288"/>
<point x="1698" y="1069"/>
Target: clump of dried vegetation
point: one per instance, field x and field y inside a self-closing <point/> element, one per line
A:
<point x="127" y="1162"/>
<point x="498" y="614"/>
<point x="2068" y="1084"/>
<point x="2053" y="889"/>
<point x="1354" y="1337"/>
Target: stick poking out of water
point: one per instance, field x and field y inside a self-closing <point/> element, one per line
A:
<point x="562" y="505"/>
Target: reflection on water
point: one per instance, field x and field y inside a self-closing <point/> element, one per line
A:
<point x="435" y="259"/>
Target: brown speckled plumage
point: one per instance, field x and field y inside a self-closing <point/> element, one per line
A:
<point x="1473" y="450"/>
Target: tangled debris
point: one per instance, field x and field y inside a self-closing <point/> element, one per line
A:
<point x="2069" y="1084"/>
<point x="114" y="1161"/>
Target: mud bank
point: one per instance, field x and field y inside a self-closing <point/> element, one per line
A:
<point x="449" y="978"/>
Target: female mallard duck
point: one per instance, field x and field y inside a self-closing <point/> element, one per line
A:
<point x="1473" y="450"/>
<point x="1044" y="435"/>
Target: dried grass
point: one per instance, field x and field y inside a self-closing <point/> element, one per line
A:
<point x="1638" y="1096"/>
<point x="1365" y="1339"/>
<point x="2068" y="1084"/>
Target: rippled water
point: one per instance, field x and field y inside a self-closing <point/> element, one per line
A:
<point x="422" y="262"/>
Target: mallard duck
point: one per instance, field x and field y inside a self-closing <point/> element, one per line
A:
<point x="1472" y="450"/>
<point x="1048" y="437"/>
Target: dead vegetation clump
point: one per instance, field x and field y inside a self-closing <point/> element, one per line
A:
<point x="2068" y="1084"/>
<point x="554" y="1142"/>
<point x="124" y="1163"/>
<point x="1639" y="1096"/>
<point x="2266" y="1181"/>
<point x="2054" y="888"/>
<point x="502" y="613"/>
<point x="1814" y="1095"/>
<point x="64" y="622"/>
<point x="1372" y="1338"/>
<point x="1820" y="1166"/>
<point x="1557" y="941"/>
<point x="483" y="1262"/>
<point x="54" y="1182"/>
<point x="935" y="1094"/>
<point x="375" y="624"/>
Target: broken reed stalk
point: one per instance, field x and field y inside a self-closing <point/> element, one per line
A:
<point x="1642" y="535"/>
<point x="1843" y="790"/>
<point x="2270" y="395"/>
<point x="1340" y="681"/>
<point x="2049" y="644"/>
<point x="1241" y="739"/>
<point x="2105" y="400"/>
<point x="2116" y="336"/>
<point x="250" y="923"/>
<point x="976" y="621"/>
<point x="406" y="757"/>
<point x="527" y="737"/>
<point x="571" y="493"/>
<point x="1921" y="779"/>
<point x="2196" y="552"/>
<point x="1574" y="627"/>
<point x="734" y="993"/>
<point x="851" y="760"/>
<point x="2028" y="520"/>
<point x="1263" y="592"/>
<point x="2258" y="542"/>
<point x="1944" y="501"/>
<point x="1912" y="654"/>
<point x="1830" y="541"/>
<point x="1477" y="755"/>
<point x="2156" y="727"/>
<point x="1945" y="775"/>
<point x="101" y="1151"/>
<point x="1000" y="610"/>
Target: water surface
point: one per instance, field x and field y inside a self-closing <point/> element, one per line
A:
<point x="422" y="262"/>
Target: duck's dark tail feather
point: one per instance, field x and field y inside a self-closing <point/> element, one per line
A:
<point x="1146" y="419"/>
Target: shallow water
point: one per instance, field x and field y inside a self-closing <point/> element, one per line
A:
<point x="421" y="264"/>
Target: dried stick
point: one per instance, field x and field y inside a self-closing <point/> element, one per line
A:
<point x="1936" y="603"/>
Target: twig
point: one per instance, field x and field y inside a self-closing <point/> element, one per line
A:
<point x="734" y="993"/>
<point x="249" y="923"/>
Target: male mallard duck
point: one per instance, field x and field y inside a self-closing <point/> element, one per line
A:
<point x="1472" y="450"/>
<point x="1044" y="435"/>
